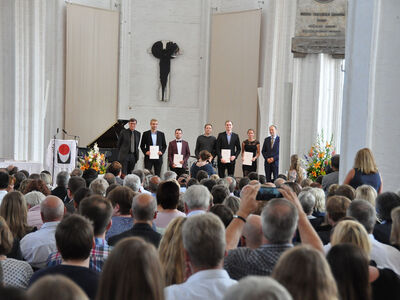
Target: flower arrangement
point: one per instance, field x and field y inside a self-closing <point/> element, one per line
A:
<point x="93" y="160"/>
<point x="319" y="157"/>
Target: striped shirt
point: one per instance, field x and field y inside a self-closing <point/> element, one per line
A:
<point x="98" y="255"/>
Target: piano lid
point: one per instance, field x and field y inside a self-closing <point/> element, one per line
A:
<point x="109" y="139"/>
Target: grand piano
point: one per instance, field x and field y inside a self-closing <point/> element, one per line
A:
<point x="107" y="142"/>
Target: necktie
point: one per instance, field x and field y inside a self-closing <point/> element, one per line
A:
<point x="132" y="142"/>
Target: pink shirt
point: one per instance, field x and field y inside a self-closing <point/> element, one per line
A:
<point x="34" y="218"/>
<point x="163" y="218"/>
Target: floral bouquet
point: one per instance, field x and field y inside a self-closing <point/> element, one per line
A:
<point x="319" y="157"/>
<point x="93" y="160"/>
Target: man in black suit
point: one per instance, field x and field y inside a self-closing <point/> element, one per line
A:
<point x="227" y="140"/>
<point x="153" y="137"/>
<point x="270" y="152"/>
<point x="128" y="145"/>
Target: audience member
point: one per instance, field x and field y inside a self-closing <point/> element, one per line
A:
<point x="121" y="200"/>
<point x="169" y="175"/>
<point x="367" y="193"/>
<point x="332" y="190"/>
<point x="385" y="203"/>
<point x="89" y="175"/>
<point x="192" y="181"/>
<point x="144" y="211"/>
<point x="37" y="246"/>
<point x="56" y="287"/>
<point x="98" y="210"/>
<point x="142" y="176"/>
<point x="19" y="177"/>
<point x="171" y="253"/>
<point x="279" y="181"/>
<point x="294" y="186"/>
<point x="233" y="203"/>
<point x="154" y="182"/>
<point x="33" y="200"/>
<point x="296" y="173"/>
<point x="252" y="232"/>
<point x="132" y="181"/>
<point x="333" y="177"/>
<point x="62" y="182"/>
<point x="203" y="164"/>
<point x="168" y="198"/>
<point x="76" y="172"/>
<point x="306" y="274"/>
<point x="196" y="200"/>
<point x="34" y="176"/>
<point x="279" y="220"/>
<point x="115" y="168"/>
<point x="346" y="191"/>
<point x="306" y="182"/>
<point x="319" y="207"/>
<point x="16" y="273"/>
<point x="74" y="238"/>
<point x="81" y="194"/>
<point x="223" y="212"/>
<point x="395" y="233"/>
<point x="110" y="188"/>
<point x="110" y="178"/>
<point x="99" y="186"/>
<point x="74" y="184"/>
<point x="37" y="185"/>
<point x="243" y="182"/>
<point x="257" y="287"/>
<point x="219" y="193"/>
<point x="132" y="271"/>
<point x="208" y="183"/>
<point x="204" y="245"/>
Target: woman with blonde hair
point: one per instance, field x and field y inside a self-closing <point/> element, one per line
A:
<point x="296" y="172"/>
<point x="367" y="193"/>
<point x="171" y="253"/>
<point x="385" y="283"/>
<point x="364" y="171"/>
<point x="132" y="271"/>
<point x="305" y="273"/>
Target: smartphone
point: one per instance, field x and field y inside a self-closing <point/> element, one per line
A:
<point x="266" y="193"/>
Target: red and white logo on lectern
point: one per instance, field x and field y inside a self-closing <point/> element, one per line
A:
<point x="63" y="154"/>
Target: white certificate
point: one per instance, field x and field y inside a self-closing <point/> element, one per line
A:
<point x="226" y="154"/>
<point x="247" y="158"/>
<point x="177" y="160"/>
<point x="154" y="152"/>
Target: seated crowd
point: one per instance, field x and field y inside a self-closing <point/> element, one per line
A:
<point x="141" y="236"/>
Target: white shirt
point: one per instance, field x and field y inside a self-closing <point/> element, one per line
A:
<point x="37" y="246"/>
<point x="2" y="194"/>
<point x="179" y="146"/>
<point x="384" y="255"/>
<point x="195" y="212"/>
<point x="208" y="284"/>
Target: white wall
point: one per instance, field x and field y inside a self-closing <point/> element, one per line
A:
<point x="370" y="105"/>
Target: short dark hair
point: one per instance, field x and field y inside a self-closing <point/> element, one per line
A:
<point x="223" y="212"/>
<point x="114" y="168"/>
<point x="168" y="195"/>
<point x="191" y="181"/>
<point x="243" y="182"/>
<point x="262" y="179"/>
<point x="98" y="210"/>
<point x="75" y="183"/>
<point x="81" y="194"/>
<point x="201" y="175"/>
<point x="62" y="178"/>
<point x="219" y="193"/>
<point x="335" y="161"/>
<point x="89" y="175"/>
<point x="283" y="176"/>
<point x="346" y="191"/>
<point x="294" y="186"/>
<point x="208" y="183"/>
<point x="4" y="180"/>
<point x="385" y="202"/>
<point x="111" y="187"/>
<point x="74" y="237"/>
<point x="178" y="129"/>
<point x="336" y="207"/>
<point x="253" y="176"/>
<point x="132" y="120"/>
<point x="122" y="196"/>
<point x="208" y="124"/>
<point x="154" y="182"/>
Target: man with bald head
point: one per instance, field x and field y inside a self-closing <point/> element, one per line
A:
<point x="38" y="245"/>
<point x="143" y="211"/>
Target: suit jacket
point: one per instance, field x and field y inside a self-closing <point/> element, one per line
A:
<point x="267" y="152"/>
<point x="173" y="149"/>
<point x="222" y="143"/>
<point x="147" y="141"/>
<point x="124" y="144"/>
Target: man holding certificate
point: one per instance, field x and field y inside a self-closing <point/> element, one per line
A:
<point x="228" y="149"/>
<point x="153" y="146"/>
<point x="178" y="153"/>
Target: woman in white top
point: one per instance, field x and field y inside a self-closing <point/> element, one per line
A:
<point x="296" y="172"/>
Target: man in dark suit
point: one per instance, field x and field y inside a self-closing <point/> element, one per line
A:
<point x="128" y="144"/>
<point x="143" y="211"/>
<point x="270" y="151"/>
<point x="178" y="146"/>
<point x="227" y="140"/>
<point x="153" y="137"/>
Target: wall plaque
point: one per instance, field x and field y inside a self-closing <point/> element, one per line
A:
<point x="320" y="27"/>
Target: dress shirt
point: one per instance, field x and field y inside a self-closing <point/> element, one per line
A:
<point x="228" y="137"/>
<point x="34" y="218"/>
<point x="154" y="138"/>
<point x="37" y="246"/>
<point x="179" y="146"/>
<point x="383" y="255"/>
<point x="98" y="255"/>
<point x="207" y="284"/>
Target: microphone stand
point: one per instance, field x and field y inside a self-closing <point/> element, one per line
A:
<point x="54" y="150"/>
